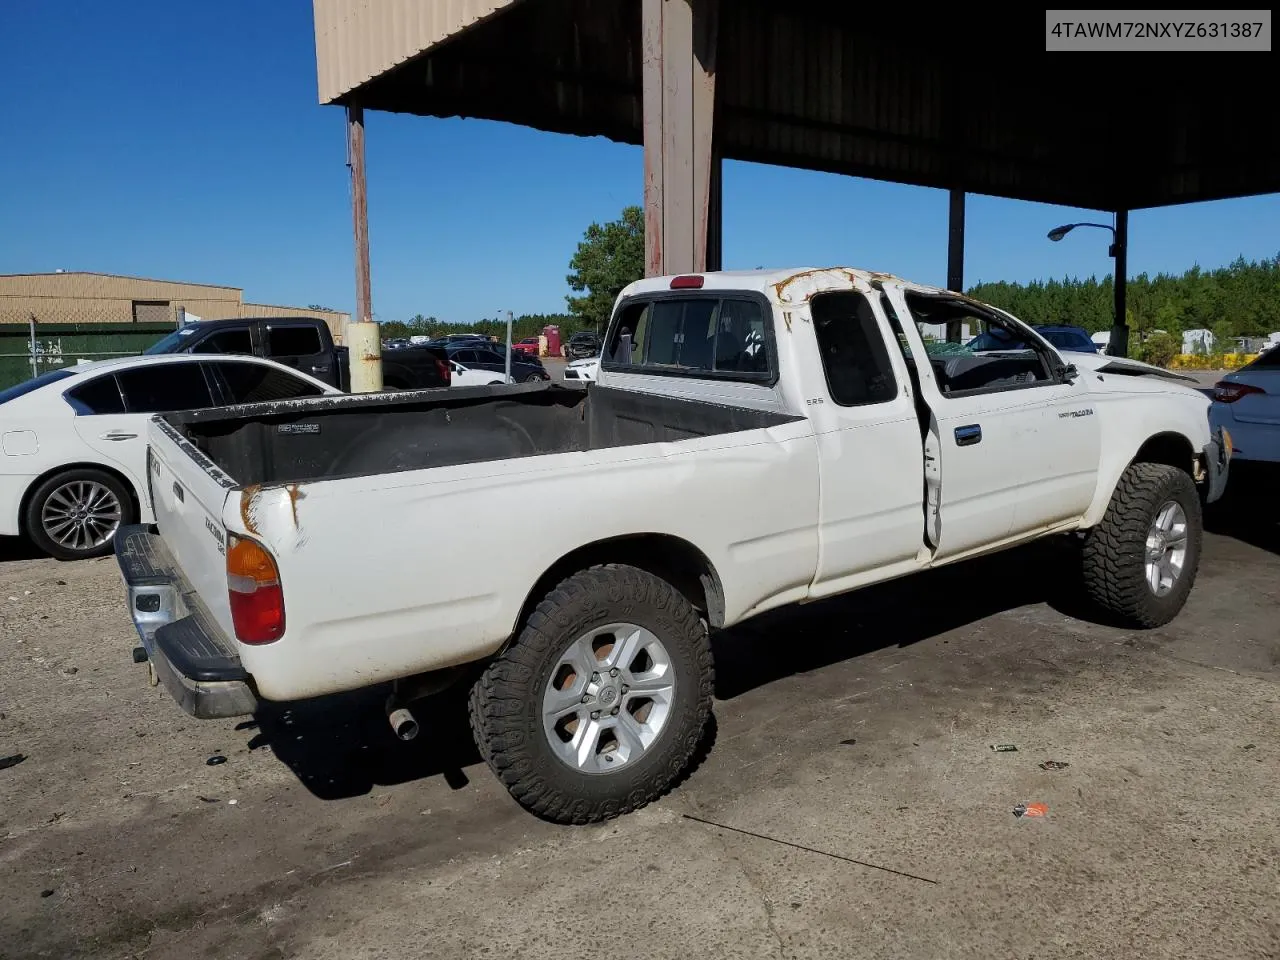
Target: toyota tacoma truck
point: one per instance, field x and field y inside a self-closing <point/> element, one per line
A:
<point x="753" y="440"/>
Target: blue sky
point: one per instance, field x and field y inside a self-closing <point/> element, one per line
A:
<point x="184" y="141"/>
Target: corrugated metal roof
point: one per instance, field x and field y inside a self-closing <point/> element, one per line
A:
<point x="357" y="40"/>
<point x="902" y="96"/>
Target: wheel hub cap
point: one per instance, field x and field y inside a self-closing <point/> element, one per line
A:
<point x="81" y="515"/>
<point x="608" y="699"/>
<point x="1166" y="548"/>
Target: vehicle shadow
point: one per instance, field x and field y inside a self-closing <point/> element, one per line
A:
<point x="342" y="746"/>
<point x="798" y="639"/>
<point x="1249" y="511"/>
<point x="18" y="548"/>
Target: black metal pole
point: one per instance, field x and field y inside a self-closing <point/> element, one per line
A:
<point x="955" y="255"/>
<point x="1118" y="345"/>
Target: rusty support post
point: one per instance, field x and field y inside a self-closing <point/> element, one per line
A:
<point x="364" y="345"/>
<point x="955" y="256"/>
<point x="679" y="40"/>
<point x="1118" y="345"/>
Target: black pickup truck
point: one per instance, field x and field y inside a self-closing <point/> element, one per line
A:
<point x="305" y="344"/>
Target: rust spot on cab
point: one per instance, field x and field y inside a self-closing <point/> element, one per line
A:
<point x="248" y="506"/>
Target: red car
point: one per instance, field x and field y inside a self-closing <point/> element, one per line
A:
<point x="529" y="345"/>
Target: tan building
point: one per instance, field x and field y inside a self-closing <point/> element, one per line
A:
<point x="75" y="297"/>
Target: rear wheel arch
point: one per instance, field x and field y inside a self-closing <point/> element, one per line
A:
<point x="667" y="557"/>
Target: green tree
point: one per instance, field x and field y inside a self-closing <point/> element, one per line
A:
<point x="609" y="257"/>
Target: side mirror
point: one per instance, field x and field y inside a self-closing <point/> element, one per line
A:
<point x="1069" y="373"/>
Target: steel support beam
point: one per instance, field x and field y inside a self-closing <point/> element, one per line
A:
<point x="1118" y="345"/>
<point x="955" y="255"/>
<point x="681" y="171"/>
<point x="364" y="345"/>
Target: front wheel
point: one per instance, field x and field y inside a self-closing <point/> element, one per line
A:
<point x="1140" y="561"/>
<point x="75" y="515"/>
<point x="536" y="378"/>
<point x="598" y="706"/>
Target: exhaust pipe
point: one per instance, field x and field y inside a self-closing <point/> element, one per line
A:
<point x="402" y="721"/>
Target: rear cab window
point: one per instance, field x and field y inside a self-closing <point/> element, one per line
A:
<point x="720" y="335"/>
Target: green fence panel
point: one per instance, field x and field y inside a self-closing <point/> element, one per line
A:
<point x="65" y="344"/>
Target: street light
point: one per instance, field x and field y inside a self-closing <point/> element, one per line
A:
<point x="1118" y="345"/>
<point x="1057" y="233"/>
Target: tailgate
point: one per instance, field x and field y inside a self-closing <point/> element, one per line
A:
<point x="188" y="493"/>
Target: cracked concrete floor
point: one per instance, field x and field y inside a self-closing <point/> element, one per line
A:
<point x="859" y="728"/>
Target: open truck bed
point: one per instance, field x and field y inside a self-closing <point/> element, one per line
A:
<point x="339" y="437"/>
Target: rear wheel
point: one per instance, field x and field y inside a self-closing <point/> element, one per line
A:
<point x="1140" y="561"/>
<point x="536" y="377"/>
<point x="74" y="515"/>
<point x="598" y="706"/>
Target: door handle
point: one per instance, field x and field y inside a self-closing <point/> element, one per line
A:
<point x="113" y="435"/>
<point x="968" y="435"/>
<point x="177" y="492"/>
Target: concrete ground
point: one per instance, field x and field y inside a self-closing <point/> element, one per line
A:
<point x="851" y="804"/>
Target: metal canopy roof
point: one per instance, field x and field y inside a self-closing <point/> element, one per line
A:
<point x="806" y="84"/>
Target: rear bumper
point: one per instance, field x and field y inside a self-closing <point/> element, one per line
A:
<point x="1217" y="464"/>
<point x="195" y="661"/>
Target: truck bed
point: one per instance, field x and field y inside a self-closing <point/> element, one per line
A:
<point x="338" y="437"/>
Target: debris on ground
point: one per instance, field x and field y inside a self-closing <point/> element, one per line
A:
<point x="1031" y="810"/>
<point x="210" y="800"/>
<point x="1005" y="747"/>
<point x="1250" y="746"/>
<point x="1054" y="765"/>
<point x="46" y="893"/>
<point x="851" y="741"/>
<point x="13" y="761"/>
<point x="216" y="759"/>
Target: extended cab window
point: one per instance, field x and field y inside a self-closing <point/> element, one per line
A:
<point x="723" y="337"/>
<point x="294" y="341"/>
<point x="990" y="353"/>
<point x="854" y="357"/>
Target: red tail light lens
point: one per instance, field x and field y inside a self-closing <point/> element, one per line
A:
<point x="446" y="374"/>
<point x="253" y="585"/>
<point x="690" y="282"/>
<point x="1227" y="392"/>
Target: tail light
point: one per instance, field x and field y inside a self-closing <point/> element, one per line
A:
<point x="442" y="368"/>
<point x="687" y="282"/>
<point x="253" y="584"/>
<point x="1227" y="392"/>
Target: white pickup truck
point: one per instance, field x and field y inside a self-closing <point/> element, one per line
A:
<point x="753" y="440"/>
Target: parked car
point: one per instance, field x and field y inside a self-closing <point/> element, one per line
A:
<point x="305" y="344"/>
<point x="493" y="358"/>
<point x="582" y="369"/>
<point x="466" y="377"/>
<point x="74" y="439"/>
<point x="1247" y="404"/>
<point x="710" y="482"/>
<point x="582" y="345"/>
<point x="1074" y="339"/>
<point x="529" y="346"/>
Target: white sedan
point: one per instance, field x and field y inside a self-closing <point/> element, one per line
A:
<point x="587" y="369"/>
<point x="460" y="376"/>
<point x="73" y="449"/>
<point x="1247" y="404"/>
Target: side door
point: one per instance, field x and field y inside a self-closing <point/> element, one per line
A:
<point x="112" y="411"/>
<point x="1013" y="443"/>
<point x="300" y="345"/>
<point x="871" y="463"/>
<point x="243" y="381"/>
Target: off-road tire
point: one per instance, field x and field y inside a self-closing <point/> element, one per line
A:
<point x="1114" y="552"/>
<point x="506" y="702"/>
